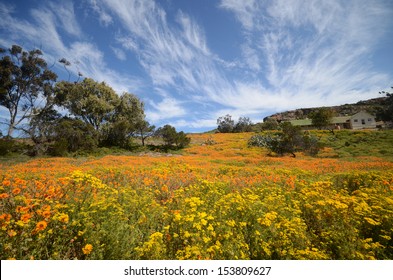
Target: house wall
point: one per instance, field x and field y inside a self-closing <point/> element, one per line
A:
<point x="363" y="120"/>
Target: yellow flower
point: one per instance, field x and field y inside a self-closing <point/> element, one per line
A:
<point x="231" y="223"/>
<point x="64" y="218"/>
<point x="87" y="249"/>
<point x="20" y="223"/>
<point x="177" y="217"/>
<point x="11" y="233"/>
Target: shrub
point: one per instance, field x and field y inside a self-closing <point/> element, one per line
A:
<point x="288" y="141"/>
<point x="9" y="146"/>
<point x="73" y="135"/>
<point x="172" y="137"/>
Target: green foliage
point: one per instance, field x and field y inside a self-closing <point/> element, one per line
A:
<point x="25" y="84"/>
<point x="227" y="125"/>
<point x="269" y="124"/>
<point x="71" y="135"/>
<point x="321" y="118"/>
<point x="28" y="92"/>
<point x="182" y="140"/>
<point x="290" y="140"/>
<point x="386" y="114"/>
<point x="114" y="118"/>
<point x="171" y="137"/>
<point x="244" y="124"/>
<point x="125" y="121"/>
<point x="350" y="143"/>
<point x="144" y="130"/>
<point x="9" y="146"/>
<point x="90" y="101"/>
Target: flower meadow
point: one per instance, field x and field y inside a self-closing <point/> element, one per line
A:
<point x="219" y="199"/>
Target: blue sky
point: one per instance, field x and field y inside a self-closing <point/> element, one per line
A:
<point x="192" y="61"/>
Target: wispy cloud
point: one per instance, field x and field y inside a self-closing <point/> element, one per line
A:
<point x="65" y="13"/>
<point x="310" y="52"/>
<point x="43" y="32"/>
<point x="174" y="55"/>
<point x="119" y="53"/>
<point x="168" y="107"/>
<point x="104" y="18"/>
<point x="245" y="11"/>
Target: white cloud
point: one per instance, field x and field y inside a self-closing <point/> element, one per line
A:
<point x="245" y="11"/>
<point x="313" y="52"/>
<point x="104" y="18"/>
<point x="166" y="109"/>
<point x="173" y="55"/>
<point x="65" y="13"/>
<point x="119" y="53"/>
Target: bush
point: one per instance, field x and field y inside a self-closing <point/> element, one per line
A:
<point x="171" y="137"/>
<point x="9" y="146"/>
<point x="73" y="135"/>
<point x="6" y="146"/>
<point x="225" y="124"/>
<point x="290" y="140"/>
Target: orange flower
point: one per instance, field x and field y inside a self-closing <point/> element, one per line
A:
<point x="22" y="209"/>
<point x="5" y="217"/>
<point x="16" y="191"/>
<point x="46" y="214"/>
<point x="6" y="183"/>
<point x="25" y="218"/>
<point x="87" y="249"/>
<point x="4" y="195"/>
<point x="41" y="226"/>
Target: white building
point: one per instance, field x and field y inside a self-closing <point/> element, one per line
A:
<point x="363" y="120"/>
<point x="360" y="120"/>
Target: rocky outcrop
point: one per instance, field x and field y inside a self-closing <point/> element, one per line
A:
<point x="371" y="106"/>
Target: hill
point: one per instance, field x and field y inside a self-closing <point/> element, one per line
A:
<point x="371" y="106"/>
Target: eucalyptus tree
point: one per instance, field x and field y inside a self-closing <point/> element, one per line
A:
<point x="26" y="86"/>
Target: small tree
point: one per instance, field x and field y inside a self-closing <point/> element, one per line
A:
<point x="123" y="123"/>
<point x="270" y="124"/>
<point x="72" y="135"/>
<point x="244" y="124"/>
<point x="322" y="118"/>
<point x="144" y="130"/>
<point x="225" y="124"/>
<point x="182" y="140"/>
<point x="290" y="140"/>
<point x="171" y="137"/>
<point x="386" y="114"/>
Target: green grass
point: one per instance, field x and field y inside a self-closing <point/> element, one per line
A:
<point x="349" y="143"/>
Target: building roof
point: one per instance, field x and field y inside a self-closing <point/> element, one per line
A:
<point x="308" y="122"/>
<point x="340" y="119"/>
<point x="303" y="122"/>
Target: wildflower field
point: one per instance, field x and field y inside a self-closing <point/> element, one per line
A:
<point x="217" y="199"/>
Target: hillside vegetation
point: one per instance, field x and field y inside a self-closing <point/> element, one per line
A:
<point x="218" y="199"/>
<point x="373" y="106"/>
